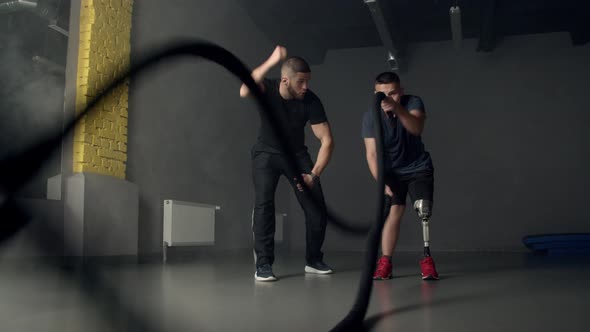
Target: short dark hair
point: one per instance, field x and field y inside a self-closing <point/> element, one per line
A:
<point x="387" y="77"/>
<point x="296" y="64"/>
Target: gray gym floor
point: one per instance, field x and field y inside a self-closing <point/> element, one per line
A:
<point x="477" y="292"/>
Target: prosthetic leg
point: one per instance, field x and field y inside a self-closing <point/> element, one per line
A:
<point x="424" y="210"/>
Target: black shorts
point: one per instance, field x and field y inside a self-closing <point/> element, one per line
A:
<point x="419" y="185"/>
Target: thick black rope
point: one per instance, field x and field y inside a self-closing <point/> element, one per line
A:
<point x="354" y="320"/>
<point x="23" y="165"/>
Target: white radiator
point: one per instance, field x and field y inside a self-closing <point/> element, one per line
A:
<point x="187" y="223"/>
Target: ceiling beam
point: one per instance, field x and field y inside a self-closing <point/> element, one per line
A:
<point x="580" y="24"/>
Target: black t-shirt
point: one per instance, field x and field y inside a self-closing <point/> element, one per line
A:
<point x="404" y="152"/>
<point x="293" y="115"/>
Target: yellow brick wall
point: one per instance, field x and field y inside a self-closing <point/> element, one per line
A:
<point x="100" y="139"/>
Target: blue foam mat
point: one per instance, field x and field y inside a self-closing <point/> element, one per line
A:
<point x="559" y="243"/>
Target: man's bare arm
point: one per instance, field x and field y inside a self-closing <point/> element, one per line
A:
<point x="258" y="74"/>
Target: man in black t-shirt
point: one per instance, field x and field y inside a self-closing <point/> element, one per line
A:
<point x="408" y="167"/>
<point x="295" y="105"/>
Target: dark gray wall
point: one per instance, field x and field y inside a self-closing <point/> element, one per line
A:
<point x="508" y="132"/>
<point x="31" y="104"/>
<point x="189" y="132"/>
<point x="31" y="93"/>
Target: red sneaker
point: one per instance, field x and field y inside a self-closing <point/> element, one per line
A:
<point x="383" y="271"/>
<point x="428" y="269"/>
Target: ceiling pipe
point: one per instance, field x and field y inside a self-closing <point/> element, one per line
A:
<point x="393" y="55"/>
<point x="456" y="26"/>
